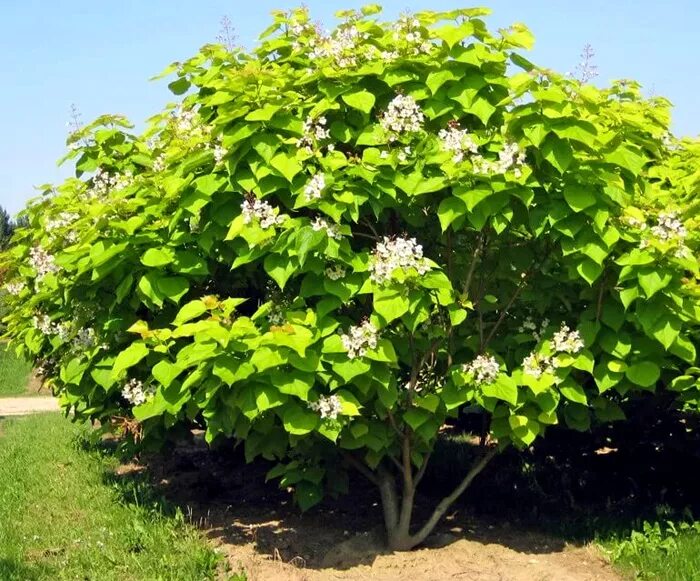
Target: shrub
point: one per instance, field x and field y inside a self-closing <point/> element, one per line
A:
<point x="334" y="243"/>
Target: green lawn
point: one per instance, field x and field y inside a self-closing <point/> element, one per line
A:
<point x="14" y="373"/>
<point x="63" y="514"/>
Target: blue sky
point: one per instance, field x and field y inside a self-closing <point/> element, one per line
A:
<point x="100" y="55"/>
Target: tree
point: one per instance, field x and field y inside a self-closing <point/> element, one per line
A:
<point x="6" y="228"/>
<point x="336" y="242"/>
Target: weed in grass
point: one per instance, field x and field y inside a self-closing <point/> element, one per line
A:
<point x="662" y="550"/>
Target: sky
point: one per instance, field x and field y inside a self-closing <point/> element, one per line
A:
<point x="100" y="55"/>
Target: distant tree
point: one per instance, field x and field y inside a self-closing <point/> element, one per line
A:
<point x="6" y="228"/>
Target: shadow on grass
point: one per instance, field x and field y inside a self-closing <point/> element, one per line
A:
<point x="12" y="570"/>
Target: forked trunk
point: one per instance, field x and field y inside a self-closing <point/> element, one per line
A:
<point x="398" y="511"/>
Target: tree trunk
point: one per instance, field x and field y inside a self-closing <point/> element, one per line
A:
<point x="398" y="524"/>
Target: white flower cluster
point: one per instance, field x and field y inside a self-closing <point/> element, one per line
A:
<point x="103" y="183"/>
<point x="314" y="132"/>
<point x="484" y="369"/>
<point x="510" y="157"/>
<point x="335" y="272"/>
<point x="63" y="220"/>
<point x="529" y="326"/>
<point x="403" y="115"/>
<point x="566" y="341"/>
<point x="219" y="152"/>
<point x="300" y="28"/>
<point x="342" y="46"/>
<point x="15" y="288"/>
<point x="669" y="227"/>
<point x="635" y="222"/>
<point x="314" y="189"/>
<point x="86" y="338"/>
<point x="332" y="230"/>
<point x="159" y="163"/>
<point x="359" y="339"/>
<point x="135" y="393"/>
<point x="329" y="407"/>
<point x="264" y="213"/>
<point x="46" y="367"/>
<point x="458" y="142"/>
<point x="407" y="29"/>
<point x="44" y="324"/>
<point x="537" y="365"/>
<point x="394" y="253"/>
<point x="43" y="262"/>
<point x="188" y="124"/>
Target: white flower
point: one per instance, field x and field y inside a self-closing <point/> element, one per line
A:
<point x="276" y="316"/>
<point x="669" y="227"/>
<point x="328" y="407"/>
<point x="536" y="365"/>
<point x="528" y="325"/>
<point x="42" y="262"/>
<point x="458" y="142"/>
<point x="484" y="369"/>
<point x="44" y="324"/>
<point x="135" y="393"/>
<point x="342" y="46"/>
<point x="407" y="31"/>
<point x="359" y="339"/>
<point x="15" y="288"/>
<point x="314" y="189"/>
<point x="510" y="157"/>
<point x="396" y="253"/>
<point x="85" y="339"/>
<point x="188" y="124"/>
<point x="314" y="132"/>
<point x="335" y="272"/>
<point x="254" y="209"/>
<point x="566" y="341"/>
<point x="159" y="163"/>
<point x="404" y="153"/>
<point x="403" y="115"/>
<point x="103" y="183"/>
<point x="219" y="152"/>
<point x="63" y="220"/>
<point x="332" y="230"/>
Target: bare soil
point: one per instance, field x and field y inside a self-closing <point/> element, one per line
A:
<point x="259" y="530"/>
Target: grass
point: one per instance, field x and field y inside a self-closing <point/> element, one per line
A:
<point x="64" y="515"/>
<point x="14" y="373"/>
<point x="664" y="551"/>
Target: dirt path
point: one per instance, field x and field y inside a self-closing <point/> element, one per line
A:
<point x="21" y="406"/>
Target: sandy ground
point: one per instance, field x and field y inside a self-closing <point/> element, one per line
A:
<point x="361" y="559"/>
<point x="258" y="529"/>
<point x="20" y="406"/>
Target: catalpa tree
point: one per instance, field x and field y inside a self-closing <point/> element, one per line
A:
<point x="334" y="243"/>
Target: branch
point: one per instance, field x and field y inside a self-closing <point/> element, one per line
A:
<point x="446" y="502"/>
<point x="504" y="312"/>
<point x="361" y="468"/>
<point x="599" y="308"/>
<point x="472" y="266"/>
<point x="421" y="471"/>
